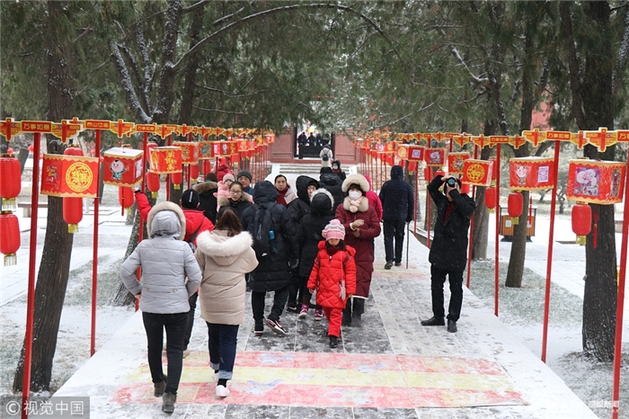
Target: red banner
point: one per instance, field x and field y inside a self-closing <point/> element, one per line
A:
<point x="69" y="176"/>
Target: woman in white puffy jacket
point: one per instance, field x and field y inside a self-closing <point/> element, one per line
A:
<point x="166" y="261"/>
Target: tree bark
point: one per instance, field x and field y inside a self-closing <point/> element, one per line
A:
<point x="52" y="278"/>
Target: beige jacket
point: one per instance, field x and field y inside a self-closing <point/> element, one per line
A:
<point x="224" y="261"/>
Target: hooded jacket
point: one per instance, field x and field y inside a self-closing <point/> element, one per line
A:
<point x="208" y="205"/>
<point x="329" y="271"/>
<point x="333" y="184"/>
<point x="449" y="245"/>
<point x="166" y="260"/>
<point x="310" y="228"/>
<point x="301" y="206"/>
<point x="397" y="198"/>
<point x="224" y="261"/>
<point x="273" y="271"/>
<point x="364" y="243"/>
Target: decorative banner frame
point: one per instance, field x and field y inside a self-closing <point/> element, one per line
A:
<point x="122" y="166"/>
<point x="596" y="182"/>
<point x="477" y="172"/>
<point x="69" y="176"/>
<point x="531" y="173"/>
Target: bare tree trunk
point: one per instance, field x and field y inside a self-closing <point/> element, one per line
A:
<point x="52" y="278"/>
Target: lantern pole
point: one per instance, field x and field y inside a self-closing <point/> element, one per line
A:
<point x="28" y="340"/>
<point x="416" y="201"/>
<point x="145" y="146"/>
<point x="469" y="252"/>
<point x="95" y="251"/>
<point x="188" y="166"/>
<point x="549" y="259"/>
<point x="621" y="300"/>
<point x="167" y="181"/>
<point x="428" y="199"/>
<point x="497" y="264"/>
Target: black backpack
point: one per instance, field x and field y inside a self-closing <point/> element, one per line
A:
<point x="326" y="157"/>
<point x="261" y="229"/>
<point x="192" y="237"/>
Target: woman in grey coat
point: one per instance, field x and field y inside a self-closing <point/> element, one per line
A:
<point x="166" y="261"/>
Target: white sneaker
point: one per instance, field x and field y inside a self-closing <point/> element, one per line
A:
<point x="222" y="391"/>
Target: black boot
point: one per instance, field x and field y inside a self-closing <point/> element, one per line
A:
<point x="347" y="317"/>
<point x="333" y="342"/>
<point x="434" y="321"/>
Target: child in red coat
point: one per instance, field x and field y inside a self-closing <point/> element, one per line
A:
<point x="334" y="277"/>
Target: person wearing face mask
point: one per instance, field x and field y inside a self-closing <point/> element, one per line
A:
<point x="287" y="195"/>
<point x="361" y="226"/>
<point x="336" y="169"/>
<point x="448" y="252"/>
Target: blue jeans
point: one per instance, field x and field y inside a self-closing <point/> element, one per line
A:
<point x="175" y="325"/>
<point x="222" y="346"/>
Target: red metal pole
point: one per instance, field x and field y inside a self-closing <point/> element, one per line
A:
<point x="95" y="254"/>
<point x="428" y="210"/>
<point x="497" y="273"/>
<point x="167" y="186"/>
<point x="621" y="301"/>
<point x="416" y="201"/>
<point x="141" y="230"/>
<point x="469" y="255"/>
<point x="28" y="339"/>
<point x="549" y="259"/>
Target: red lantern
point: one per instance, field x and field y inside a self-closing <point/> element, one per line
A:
<point x="10" y="150"/>
<point x="73" y="207"/>
<point x="515" y="206"/>
<point x="494" y="168"/>
<point x="125" y="197"/>
<point x="428" y="174"/>
<point x="194" y="172"/>
<point x="9" y="237"/>
<point x="152" y="181"/>
<point x="465" y="188"/>
<point x="490" y="198"/>
<point x="10" y="180"/>
<point x="581" y="221"/>
<point x="412" y="166"/>
<point x="176" y="179"/>
<point x="207" y="167"/>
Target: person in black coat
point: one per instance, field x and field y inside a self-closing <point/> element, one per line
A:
<point x="448" y="253"/>
<point x="207" y="199"/>
<point x="309" y="236"/>
<point x="297" y="209"/>
<point x="333" y="184"/>
<point x="336" y="169"/>
<point x="398" y="205"/>
<point x="273" y="271"/>
<point x="237" y="202"/>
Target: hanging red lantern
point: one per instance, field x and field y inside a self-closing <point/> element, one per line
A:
<point x="428" y="174"/>
<point x="9" y="237"/>
<point x="10" y="180"/>
<point x="10" y="150"/>
<point x="194" y="172"/>
<point x="152" y="182"/>
<point x="494" y="168"/>
<point x="176" y="179"/>
<point x="125" y="198"/>
<point x="581" y="221"/>
<point x="515" y="206"/>
<point x="412" y="166"/>
<point x="490" y="198"/>
<point x="73" y="207"/>
<point x="465" y="188"/>
<point x="207" y="167"/>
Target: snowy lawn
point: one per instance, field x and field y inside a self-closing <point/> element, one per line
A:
<point x="522" y="310"/>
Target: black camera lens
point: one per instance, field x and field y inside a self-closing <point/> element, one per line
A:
<point x="451" y="182"/>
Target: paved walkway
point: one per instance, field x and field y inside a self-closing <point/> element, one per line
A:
<point x="392" y="367"/>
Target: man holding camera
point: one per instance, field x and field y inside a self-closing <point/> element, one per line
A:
<point x="448" y="253"/>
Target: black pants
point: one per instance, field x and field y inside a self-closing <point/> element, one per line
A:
<point x="175" y="325"/>
<point x="294" y="289"/>
<point x="437" y="279"/>
<point x="355" y="307"/>
<point x="393" y="228"/>
<point x="193" y="305"/>
<point x="257" y="304"/>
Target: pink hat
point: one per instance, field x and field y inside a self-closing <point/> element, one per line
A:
<point x="228" y="176"/>
<point x="334" y="230"/>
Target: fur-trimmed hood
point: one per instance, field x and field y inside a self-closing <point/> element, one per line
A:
<point x="363" y="207"/>
<point x="223" y="249"/>
<point x="205" y="186"/>
<point x="162" y="222"/>
<point x="225" y="202"/>
<point x="356" y="179"/>
<point x="319" y="205"/>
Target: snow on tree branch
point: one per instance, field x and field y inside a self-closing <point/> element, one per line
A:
<point x="127" y="84"/>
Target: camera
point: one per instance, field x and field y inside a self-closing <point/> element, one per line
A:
<point x="451" y="182"/>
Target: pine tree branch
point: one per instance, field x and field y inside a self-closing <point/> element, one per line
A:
<point x="193" y="8"/>
<point x="219" y="111"/>
<point x="233" y="95"/>
<point x="573" y="64"/>
<point x="135" y="69"/>
<point x="622" y="57"/>
<point x="147" y="83"/>
<point x="127" y="84"/>
<point x="477" y="79"/>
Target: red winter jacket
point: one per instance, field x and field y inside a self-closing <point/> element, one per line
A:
<point x="194" y="218"/>
<point x="328" y="272"/>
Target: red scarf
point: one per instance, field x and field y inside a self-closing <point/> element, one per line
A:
<point x="281" y="199"/>
<point x="449" y="210"/>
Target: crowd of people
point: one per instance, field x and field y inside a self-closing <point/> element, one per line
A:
<point x="311" y="246"/>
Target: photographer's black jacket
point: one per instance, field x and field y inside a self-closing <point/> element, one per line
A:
<point x="449" y="246"/>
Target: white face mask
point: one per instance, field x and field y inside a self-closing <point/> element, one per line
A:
<point x="354" y="195"/>
<point x="335" y="167"/>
